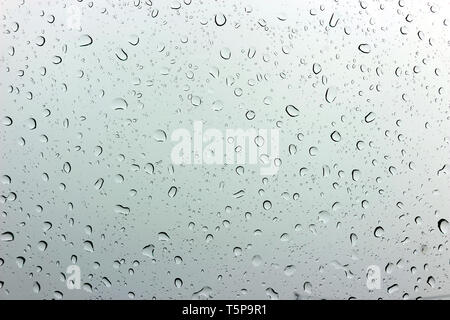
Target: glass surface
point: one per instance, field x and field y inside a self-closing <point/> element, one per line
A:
<point x="224" y="149"/>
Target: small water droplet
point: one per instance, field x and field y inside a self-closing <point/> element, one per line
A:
<point x="7" y="236"/>
<point x="378" y="232"/>
<point x="364" y="48"/>
<point x="335" y="136"/>
<point x="443" y="226"/>
<point x="292" y="111"/>
<point x="220" y="19"/>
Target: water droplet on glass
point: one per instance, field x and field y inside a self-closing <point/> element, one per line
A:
<point x="7" y="236"/>
<point x="378" y="232"/>
<point x="85" y="40"/>
<point x="220" y="19"/>
<point x="225" y="53"/>
<point x="443" y="226"/>
<point x="335" y="136"/>
<point x="292" y="111"/>
<point x="364" y="48"/>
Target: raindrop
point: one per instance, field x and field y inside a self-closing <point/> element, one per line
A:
<point x="20" y="261"/>
<point x="317" y="68"/>
<point x="160" y="135"/>
<point x="162" y="236"/>
<point x="175" y="5"/>
<point x="307" y="287"/>
<point x="335" y="136"/>
<point x="31" y="123"/>
<point x="99" y="183"/>
<point x="272" y="294"/>
<point x="178" y="283"/>
<point x="148" y="251"/>
<point x="237" y="251"/>
<point x="225" y="53"/>
<point x="7" y="121"/>
<point x="369" y="117"/>
<point x="378" y="232"/>
<point x="106" y="282"/>
<point x="121" y="55"/>
<point x="250" y="115"/>
<point x="356" y="174"/>
<point x="289" y="270"/>
<point x="7" y="236"/>
<point x="119" y="104"/>
<point x="353" y="238"/>
<point x="40" y="41"/>
<point x="85" y="40"/>
<point x="172" y="191"/>
<point x="331" y="94"/>
<point x="66" y="167"/>
<point x="88" y="246"/>
<point x="42" y="245"/>
<point x="364" y="48"/>
<point x="431" y="281"/>
<point x="5" y="179"/>
<point x="267" y="205"/>
<point x="292" y="111"/>
<point x="220" y="19"/>
<point x="443" y="226"/>
<point x="313" y="151"/>
<point x="121" y="209"/>
<point x="36" y="287"/>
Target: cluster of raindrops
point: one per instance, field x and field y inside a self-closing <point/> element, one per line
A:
<point x="96" y="96"/>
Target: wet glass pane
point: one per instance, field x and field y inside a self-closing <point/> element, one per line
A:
<point x="224" y="149"/>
